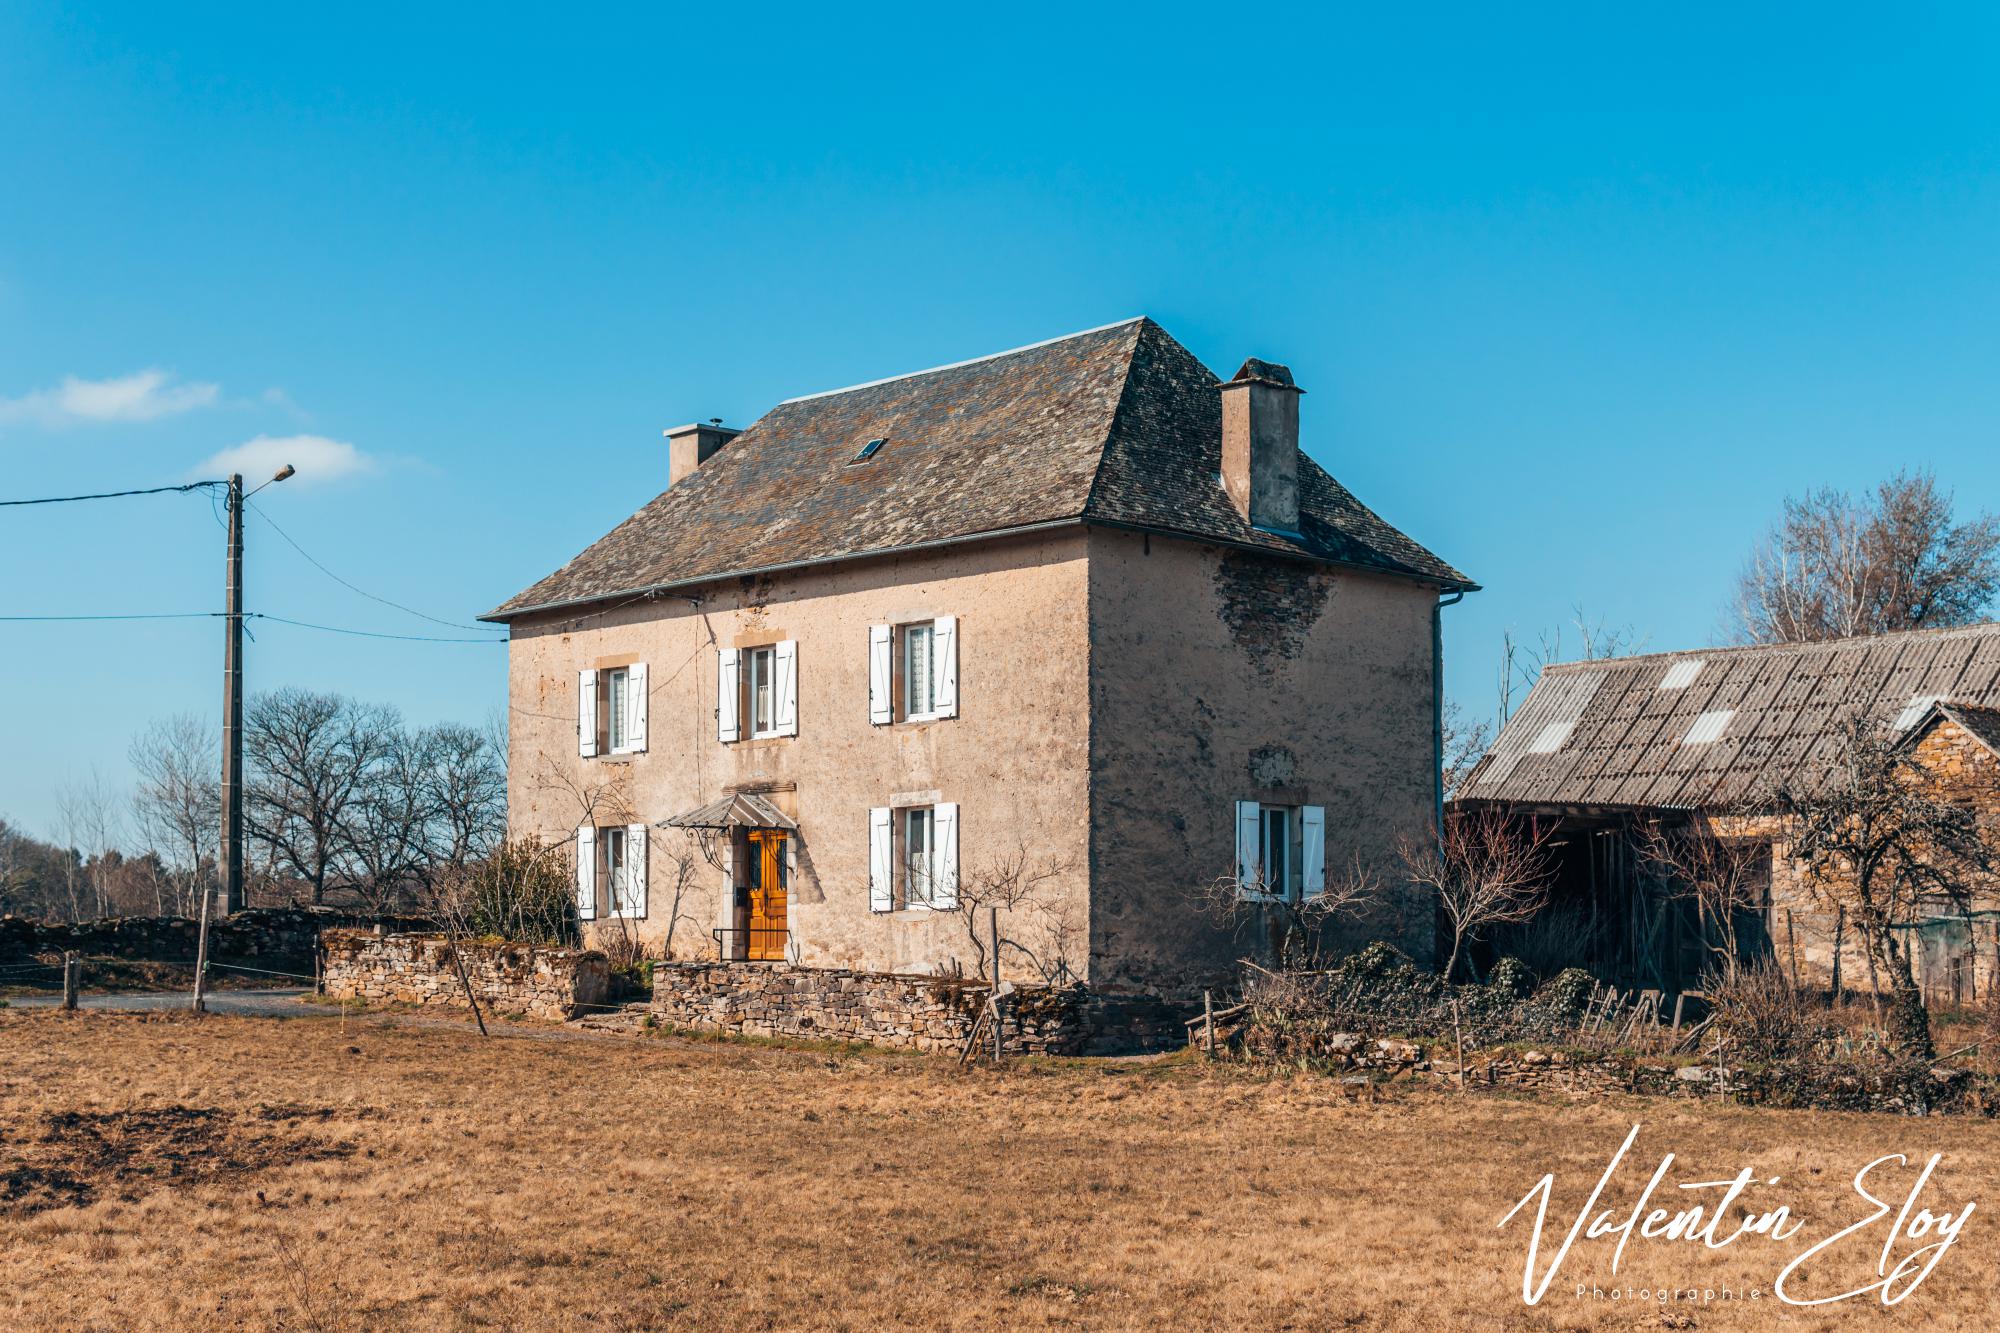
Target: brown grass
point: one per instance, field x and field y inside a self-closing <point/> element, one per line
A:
<point x="315" y="1174"/>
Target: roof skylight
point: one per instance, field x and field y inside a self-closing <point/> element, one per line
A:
<point x="1681" y="674"/>
<point x="1550" y="738"/>
<point x="1913" y="711"/>
<point x="1708" y="727"/>
<point x="867" y="451"/>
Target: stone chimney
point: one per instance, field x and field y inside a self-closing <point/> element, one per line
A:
<point x="1260" y="445"/>
<point x="688" y="447"/>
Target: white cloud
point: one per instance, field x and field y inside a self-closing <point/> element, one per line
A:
<point x="143" y="396"/>
<point x="316" y="457"/>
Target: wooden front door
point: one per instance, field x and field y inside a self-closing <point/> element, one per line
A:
<point x="768" y="883"/>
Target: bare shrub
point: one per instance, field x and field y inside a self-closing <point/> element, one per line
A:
<point x="1296" y="925"/>
<point x="1763" y="1015"/>
<point x="524" y="891"/>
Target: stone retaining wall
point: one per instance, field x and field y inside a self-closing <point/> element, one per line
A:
<point x="513" y="979"/>
<point x="906" y="1012"/>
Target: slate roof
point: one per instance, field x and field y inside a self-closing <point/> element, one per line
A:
<point x="1624" y="733"/>
<point x="1118" y="425"/>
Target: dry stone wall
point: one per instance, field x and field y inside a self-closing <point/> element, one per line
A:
<point x="899" y="1011"/>
<point x="512" y="979"/>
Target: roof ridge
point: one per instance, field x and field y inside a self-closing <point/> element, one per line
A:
<point x="969" y="361"/>
<point x="1810" y="645"/>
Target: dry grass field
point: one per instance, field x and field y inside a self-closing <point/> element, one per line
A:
<point x="162" y="1172"/>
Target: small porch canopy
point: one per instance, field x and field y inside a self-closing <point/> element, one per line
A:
<point x="736" y="810"/>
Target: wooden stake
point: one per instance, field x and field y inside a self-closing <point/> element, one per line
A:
<point x="1792" y="945"/>
<point x="993" y="940"/>
<point x="466" y="981"/>
<point x="1839" y="931"/>
<point x="70" y="973"/>
<point x="200" y="1003"/>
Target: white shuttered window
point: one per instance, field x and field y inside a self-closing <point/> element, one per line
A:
<point x="726" y="724"/>
<point x="586" y="873"/>
<point x="586" y="713"/>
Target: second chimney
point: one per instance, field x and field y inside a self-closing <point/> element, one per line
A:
<point x="1260" y="445"/>
<point x="688" y="447"/>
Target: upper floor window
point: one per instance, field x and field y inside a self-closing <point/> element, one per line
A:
<point x="611" y="710"/>
<point x="757" y="689"/>
<point x="913" y="671"/>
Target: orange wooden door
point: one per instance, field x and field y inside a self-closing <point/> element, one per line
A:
<point x="767" y="896"/>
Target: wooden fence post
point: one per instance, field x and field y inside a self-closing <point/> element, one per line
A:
<point x="1792" y="946"/>
<point x="993" y="938"/>
<point x="1839" y="932"/>
<point x="71" y="973"/>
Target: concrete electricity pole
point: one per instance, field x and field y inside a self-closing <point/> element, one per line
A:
<point x="232" y="729"/>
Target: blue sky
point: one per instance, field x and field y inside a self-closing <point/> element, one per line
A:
<point x="1579" y="294"/>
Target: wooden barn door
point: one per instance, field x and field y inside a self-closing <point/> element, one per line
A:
<point x="767" y="895"/>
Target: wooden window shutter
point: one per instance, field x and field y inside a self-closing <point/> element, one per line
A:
<point x="881" y="680"/>
<point x="881" y="869"/>
<point x="944" y="668"/>
<point x="726" y="695"/>
<point x="635" y="870"/>
<point x="586" y="873"/>
<point x="1249" y="869"/>
<point x="944" y="855"/>
<point x="785" y="707"/>
<point x="586" y="713"/>
<point x="1312" y="850"/>
<point x="635" y="706"/>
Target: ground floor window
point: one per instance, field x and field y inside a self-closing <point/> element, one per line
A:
<point x="1280" y="850"/>
<point x="913" y="857"/>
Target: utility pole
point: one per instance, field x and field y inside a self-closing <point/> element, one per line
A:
<point x="232" y="708"/>
<point x="232" y="730"/>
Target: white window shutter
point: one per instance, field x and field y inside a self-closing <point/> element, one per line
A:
<point x="726" y="694"/>
<point x="635" y="870"/>
<point x="586" y="873"/>
<point x="635" y="706"/>
<point x="944" y="665"/>
<point x="1312" y="849"/>
<point x="586" y="713"/>
<point x="1249" y="873"/>
<point x="785" y="708"/>
<point x="881" y="871"/>
<point x="881" y="681"/>
<point x="944" y="855"/>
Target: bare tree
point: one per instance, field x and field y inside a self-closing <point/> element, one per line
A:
<point x="1464" y="744"/>
<point x="1722" y="877"/>
<point x="1041" y="929"/>
<point x="179" y="801"/>
<point x="1295" y="923"/>
<point x="1584" y="638"/>
<point x="311" y="758"/>
<point x="1484" y="869"/>
<point x="1836" y="566"/>
<point x="1871" y="832"/>
<point x="90" y="823"/>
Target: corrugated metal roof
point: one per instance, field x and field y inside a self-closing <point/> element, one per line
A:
<point x="1119" y="425"/>
<point x="1745" y="716"/>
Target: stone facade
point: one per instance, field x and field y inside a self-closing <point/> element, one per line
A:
<point x="1805" y="927"/>
<point x="512" y="979"/>
<point x="900" y="1012"/>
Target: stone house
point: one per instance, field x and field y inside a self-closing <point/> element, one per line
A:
<point x="1603" y="748"/>
<point x="1075" y="629"/>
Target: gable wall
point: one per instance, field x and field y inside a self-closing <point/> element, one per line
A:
<point x="1223" y="676"/>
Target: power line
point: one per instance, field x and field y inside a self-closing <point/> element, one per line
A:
<point x="259" y="615"/>
<point x="160" y="615"/>
<point x="454" y="624"/>
<point x="365" y="633"/>
<point x="111" y="495"/>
